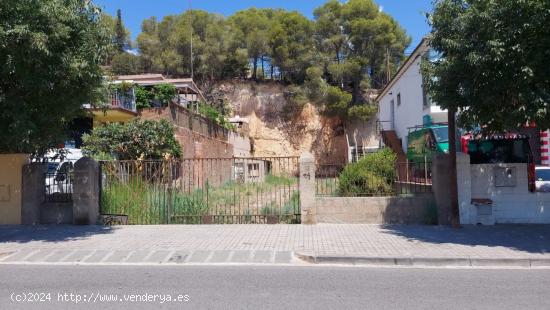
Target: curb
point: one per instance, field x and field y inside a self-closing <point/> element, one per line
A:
<point x="425" y="261"/>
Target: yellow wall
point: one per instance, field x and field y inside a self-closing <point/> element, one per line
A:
<point x="112" y="116"/>
<point x="10" y="187"/>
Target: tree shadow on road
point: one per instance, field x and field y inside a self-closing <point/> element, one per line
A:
<point x="53" y="233"/>
<point x="526" y="238"/>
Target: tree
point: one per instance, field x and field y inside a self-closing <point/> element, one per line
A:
<point x="357" y="37"/>
<point x="125" y="63"/>
<point x="121" y="39"/>
<point x="494" y="66"/>
<point x="137" y="139"/>
<point x="50" y="56"/>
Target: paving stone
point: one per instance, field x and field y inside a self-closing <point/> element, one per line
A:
<point x="78" y="256"/>
<point x="19" y="255"/>
<point x="241" y="256"/>
<point x="179" y="257"/>
<point x="117" y="257"/>
<point x="138" y="256"/>
<point x="220" y="257"/>
<point x="283" y="257"/>
<point x="39" y="256"/>
<point x="97" y="257"/>
<point x="199" y="256"/>
<point x="58" y="255"/>
<point x="262" y="257"/>
<point x="158" y="257"/>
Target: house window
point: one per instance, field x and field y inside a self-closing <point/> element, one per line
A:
<point x="399" y="99"/>
<point x="253" y="170"/>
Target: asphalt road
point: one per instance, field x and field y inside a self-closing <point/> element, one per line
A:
<point x="249" y="287"/>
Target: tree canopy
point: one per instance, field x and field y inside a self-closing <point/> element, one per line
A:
<point x="494" y="64"/>
<point x="348" y="44"/>
<point x="137" y="139"/>
<point x="50" y="56"/>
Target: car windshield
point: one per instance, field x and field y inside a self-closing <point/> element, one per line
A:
<point x="441" y="134"/>
<point x="543" y="174"/>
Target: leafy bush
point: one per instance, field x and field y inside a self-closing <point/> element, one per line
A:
<point x="137" y="139"/>
<point x="362" y="112"/>
<point x="371" y="175"/>
<point x="337" y="102"/>
<point x="165" y="93"/>
<point x="143" y="97"/>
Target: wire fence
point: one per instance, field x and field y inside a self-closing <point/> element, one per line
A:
<point x="406" y="179"/>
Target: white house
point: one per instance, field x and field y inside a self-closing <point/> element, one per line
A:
<point x="404" y="103"/>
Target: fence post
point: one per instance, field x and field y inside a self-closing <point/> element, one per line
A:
<point x="307" y="189"/>
<point x="86" y="192"/>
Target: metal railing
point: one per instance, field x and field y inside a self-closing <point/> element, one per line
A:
<point x="59" y="186"/>
<point x="259" y="190"/>
<point x="406" y="179"/>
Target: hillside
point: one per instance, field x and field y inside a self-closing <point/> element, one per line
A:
<point x="276" y="132"/>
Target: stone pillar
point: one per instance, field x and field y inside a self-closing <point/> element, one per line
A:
<point x="33" y="189"/>
<point x="307" y="189"/>
<point x="442" y="188"/>
<point x="86" y="192"/>
<point x="468" y="213"/>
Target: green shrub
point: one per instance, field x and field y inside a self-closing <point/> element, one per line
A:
<point x="371" y="175"/>
<point x="137" y="139"/>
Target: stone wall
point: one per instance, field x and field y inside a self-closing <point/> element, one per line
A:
<point x="199" y="137"/>
<point x="419" y="209"/>
<point x="374" y="210"/>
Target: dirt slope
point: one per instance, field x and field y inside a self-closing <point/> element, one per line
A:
<point x="276" y="133"/>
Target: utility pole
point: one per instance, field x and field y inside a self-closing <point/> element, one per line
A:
<point x="453" y="195"/>
<point x="191" y="29"/>
<point x="388" y="70"/>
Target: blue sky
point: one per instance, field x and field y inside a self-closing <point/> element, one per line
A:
<point x="409" y="13"/>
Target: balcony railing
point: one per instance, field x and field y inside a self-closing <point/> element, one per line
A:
<point x="126" y="101"/>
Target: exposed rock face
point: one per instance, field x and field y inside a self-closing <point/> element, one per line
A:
<point x="276" y="131"/>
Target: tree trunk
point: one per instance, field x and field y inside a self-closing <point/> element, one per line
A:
<point x="255" y="66"/>
<point x="357" y="98"/>
<point x="455" y="214"/>
<point x="263" y="70"/>
<point x="271" y="70"/>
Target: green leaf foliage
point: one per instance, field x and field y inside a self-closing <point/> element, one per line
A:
<point x="137" y="139"/>
<point x="165" y="93"/>
<point x="494" y="64"/>
<point x="371" y="175"/>
<point x="50" y="56"/>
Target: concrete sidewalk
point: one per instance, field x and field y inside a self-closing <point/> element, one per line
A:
<point x="517" y="246"/>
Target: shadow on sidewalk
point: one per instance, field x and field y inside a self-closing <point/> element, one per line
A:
<point x="526" y="238"/>
<point x="53" y="233"/>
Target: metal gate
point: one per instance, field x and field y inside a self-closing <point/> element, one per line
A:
<point x="259" y="190"/>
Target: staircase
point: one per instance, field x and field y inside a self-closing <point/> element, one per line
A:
<point x="390" y="139"/>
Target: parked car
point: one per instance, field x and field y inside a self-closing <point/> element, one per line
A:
<point x="543" y="179"/>
<point x="59" y="172"/>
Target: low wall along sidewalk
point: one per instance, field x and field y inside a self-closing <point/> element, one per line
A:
<point x="417" y="209"/>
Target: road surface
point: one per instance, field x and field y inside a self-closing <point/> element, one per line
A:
<point x="269" y="287"/>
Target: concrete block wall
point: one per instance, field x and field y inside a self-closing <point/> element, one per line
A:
<point x="514" y="204"/>
<point x="357" y="210"/>
<point x="374" y="210"/>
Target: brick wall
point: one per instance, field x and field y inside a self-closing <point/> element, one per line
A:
<point x="199" y="137"/>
